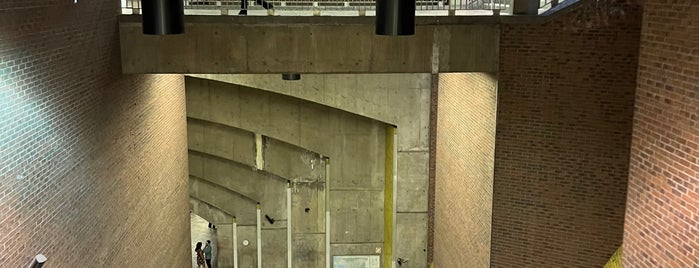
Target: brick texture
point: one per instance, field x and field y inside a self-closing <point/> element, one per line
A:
<point x="464" y="170"/>
<point x="565" y="107"/>
<point x="93" y="164"/>
<point x="662" y="214"/>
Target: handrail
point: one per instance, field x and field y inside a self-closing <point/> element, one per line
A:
<point x="226" y="7"/>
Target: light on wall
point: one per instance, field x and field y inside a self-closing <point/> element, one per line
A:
<point x="291" y="76"/>
<point x="161" y="17"/>
<point x="395" y="17"/>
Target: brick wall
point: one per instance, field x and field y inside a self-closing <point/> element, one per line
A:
<point x="565" y="107"/>
<point x="92" y="163"/>
<point x="464" y="169"/>
<point x="662" y="214"/>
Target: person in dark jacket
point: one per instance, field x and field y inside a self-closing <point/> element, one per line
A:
<point x="207" y="253"/>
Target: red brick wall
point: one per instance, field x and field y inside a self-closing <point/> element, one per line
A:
<point x="565" y="107"/>
<point x="464" y="169"/>
<point x="93" y="166"/>
<point x="662" y="211"/>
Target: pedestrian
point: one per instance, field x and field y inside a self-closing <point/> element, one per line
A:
<point x="200" y="255"/>
<point x="207" y="253"/>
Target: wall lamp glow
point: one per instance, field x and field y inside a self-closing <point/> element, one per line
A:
<point x="395" y="17"/>
<point x="291" y="77"/>
<point x="163" y="17"/>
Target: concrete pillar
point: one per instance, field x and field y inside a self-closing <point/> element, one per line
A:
<point x="525" y="7"/>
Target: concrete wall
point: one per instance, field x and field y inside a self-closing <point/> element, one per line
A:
<point x="93" y="164"/>
<point x="236" y="44"/>
<point x="397" y="99"/>
<point x="354" y="143"/>
<point x="662" y="209"/>
<point x="565" y="103"/>
<point x="464" y="169"/>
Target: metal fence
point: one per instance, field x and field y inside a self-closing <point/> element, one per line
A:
<point x="191" y="6"/>
<point x="549" y="3"/>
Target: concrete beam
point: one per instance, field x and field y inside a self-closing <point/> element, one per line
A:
<point x="402" y="100"/>
<point x="228" y="201"/>
<point x="233" y="44"/>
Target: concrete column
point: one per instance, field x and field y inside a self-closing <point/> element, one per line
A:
<point x="525" y="7"/>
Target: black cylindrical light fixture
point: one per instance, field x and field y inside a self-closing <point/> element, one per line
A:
<point x="395" y="17"/>
<point x="291" y="77"/>
<point x="162" y="17"/>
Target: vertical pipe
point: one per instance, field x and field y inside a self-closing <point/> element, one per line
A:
<point x="259" y="236"/>
<point x="395" y="195"/>
<point x="235" y="244"/>
<point x="288" y="225"/>
<point x="388" y="215"/>
<point x="327" y="212"/>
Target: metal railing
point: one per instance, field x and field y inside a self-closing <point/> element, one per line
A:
<point x="226" y="7"/>
<point x="547" y="4"/>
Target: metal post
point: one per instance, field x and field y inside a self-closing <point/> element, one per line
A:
<point x="327" y="212"/>
<point x="288" y="224"/>
<point x="235" y="244"/>
<point x="259" y="236"/>
<point x="395" y="195"/>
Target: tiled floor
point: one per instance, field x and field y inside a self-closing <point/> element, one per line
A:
<point x="200" y="233"/>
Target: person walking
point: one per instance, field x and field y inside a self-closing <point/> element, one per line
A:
<point x="200" y="255"/>
<point x="207" y="253"/>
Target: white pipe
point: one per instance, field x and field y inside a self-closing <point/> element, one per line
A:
<point x="327" y="213"/>
<point x="395" y="195"/>
<point x="288" y="225"/>
<point x="327" y="239"/>
<point x="235" y="244"/>
<point x="259" y="236"/>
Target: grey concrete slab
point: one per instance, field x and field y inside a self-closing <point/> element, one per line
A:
<point x="224" y="250"/>
<point x="240" y="178"/>
<point x="411" y="239"/>
<point x="308" y="208"/>
<point x="356" y="216"/>
<point x="247" y="254"/>
<point x="209" y="212"/>
<point x="413" y="175"/>
<point x="233" y="44"/>
<point x="230" y="202"/>
<point x="398" y="99"/>
<point x="221" y="140"/>
<point x="197" y="99"/>
<point x="292" y="162"/>
<point x="274" y="253"/>
<point x="309" y="250"/>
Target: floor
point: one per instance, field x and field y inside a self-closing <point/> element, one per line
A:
<point x="200" y="233"/>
